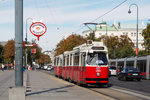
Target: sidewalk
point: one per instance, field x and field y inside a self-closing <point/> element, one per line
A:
<point x="6" y="81"/>
<point x="41" y="86"/>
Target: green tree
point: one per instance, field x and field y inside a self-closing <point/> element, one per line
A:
<point x="1" y="53"/>
<point x="127" y="51"/>
<point x="118" y="46"/>
<point x="146" y="35"/>
<point x="35" y="56"/>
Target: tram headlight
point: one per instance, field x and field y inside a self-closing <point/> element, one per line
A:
<point x="98" y="74"/>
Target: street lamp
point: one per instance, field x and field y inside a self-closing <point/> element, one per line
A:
<point x="26" y="59"/>
<point x="106" y="31"/>
<point x="137" y="49"/>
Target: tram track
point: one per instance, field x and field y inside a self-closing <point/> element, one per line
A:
<point x="104" y="94"/>
<point x="119" y="94"/>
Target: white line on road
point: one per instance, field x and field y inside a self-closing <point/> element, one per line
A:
<point x="132" y="93"/>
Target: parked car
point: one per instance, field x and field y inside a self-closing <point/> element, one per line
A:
<point x="49" y="68"/>
<point x="45" y="67"/>
<point x="112" y="70"/>
<point x="129" y="73"/>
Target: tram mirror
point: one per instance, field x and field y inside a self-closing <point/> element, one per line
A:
<point x="84" y="54"/>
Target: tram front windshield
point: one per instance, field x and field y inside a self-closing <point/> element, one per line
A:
<point x="97" y="59"/>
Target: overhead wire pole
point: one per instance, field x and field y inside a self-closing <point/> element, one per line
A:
<point x="26" y="39"/>
<point x="18" y="43"/>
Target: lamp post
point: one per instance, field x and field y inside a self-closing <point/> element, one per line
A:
<point x="137" y="49"/>
<point x="26" y="59"/>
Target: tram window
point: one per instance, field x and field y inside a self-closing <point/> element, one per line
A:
<point x="83" y="60"/>
<point x="57" y="61"/>
<point x="64" y="61"/>
<point x="97" y="59"/>
<point x="76" y="59"/>
<point x="67" y="60"/>
<point x="70" y="59"/>
<point x="60" y="62"/>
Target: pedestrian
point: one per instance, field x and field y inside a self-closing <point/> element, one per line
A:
<point x="3" y="67"/>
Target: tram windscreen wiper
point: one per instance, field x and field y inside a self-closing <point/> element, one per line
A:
<point x="91" y="58"/>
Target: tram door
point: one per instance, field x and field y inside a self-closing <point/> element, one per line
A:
<point x="83" y="56"/>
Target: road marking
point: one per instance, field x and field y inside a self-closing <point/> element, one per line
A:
<point x="132" y="93"/>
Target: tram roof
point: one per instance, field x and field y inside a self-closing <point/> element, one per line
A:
<point x="84" y="47"/>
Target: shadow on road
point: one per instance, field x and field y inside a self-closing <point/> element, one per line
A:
<point x="49" y="90"/>
<point x="100" y="86"/>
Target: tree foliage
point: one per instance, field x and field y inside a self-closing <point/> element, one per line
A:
<point x="69" y="43"/>
<point x="35" y="56"/>
<point x="118" y="47"/>
<point x="146" y="35"/>
<point x="44" y="59"/>
<point x="1" y="53"/>
<point x="9" y="51"/>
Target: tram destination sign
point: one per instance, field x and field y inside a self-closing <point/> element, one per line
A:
<point x="38" y="29"/>
<point x="98" y="48"/>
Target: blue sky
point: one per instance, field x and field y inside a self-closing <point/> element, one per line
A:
<point x="66" y="16"/>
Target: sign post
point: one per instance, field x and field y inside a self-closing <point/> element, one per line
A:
<point x="38" y="29"/>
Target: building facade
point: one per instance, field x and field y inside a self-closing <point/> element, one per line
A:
<point x="51" y="54"/>
<point x="118" y="30"/>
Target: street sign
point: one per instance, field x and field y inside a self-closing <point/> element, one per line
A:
<point x="33" y="50"/>
<point x="38" y="29"/>
<point x="29" y="45"/>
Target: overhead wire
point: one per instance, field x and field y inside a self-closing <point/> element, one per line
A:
<point x="103" y="14"/>
<point x="50" y="11"/>
<point x="110" y="10"/>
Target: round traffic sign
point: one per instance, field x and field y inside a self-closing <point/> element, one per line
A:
<point x="38" y="29"/>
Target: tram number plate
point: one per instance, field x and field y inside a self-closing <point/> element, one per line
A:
<point x="98" y="71"/>
<point x="134" y="74"/>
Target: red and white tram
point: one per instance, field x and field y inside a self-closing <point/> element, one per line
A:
<point x="85" y="64"/>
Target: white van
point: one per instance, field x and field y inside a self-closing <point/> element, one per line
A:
<point x="112" y="70"/>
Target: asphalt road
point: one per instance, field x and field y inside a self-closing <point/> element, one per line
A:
<point x="119" y="90"/>
<point x="142" y="87"/>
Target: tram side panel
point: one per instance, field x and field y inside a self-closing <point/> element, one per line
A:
<point x="67" y="73"/>
<point x="75" y="73"/>
<point x="55" y="70"/>
<point x="60" y="71"/>
<point x="63" y="72"/>
<point x="71" y="73"/>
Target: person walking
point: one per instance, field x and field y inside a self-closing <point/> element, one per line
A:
<point x="3" y="67"/>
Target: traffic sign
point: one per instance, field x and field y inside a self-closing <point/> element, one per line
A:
<point x="29" y="45"/>
<point x="38" y="29"/>
<point x="33" y="50"/>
